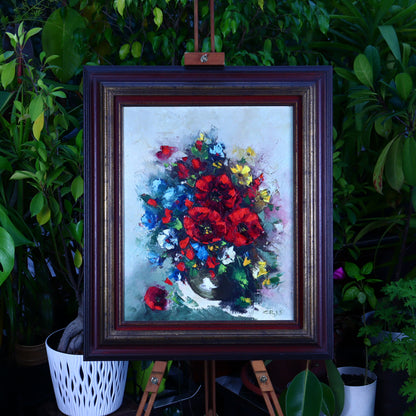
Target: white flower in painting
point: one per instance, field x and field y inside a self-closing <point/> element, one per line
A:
<point x="167" y="239"/>
<point x="228" y="255"/>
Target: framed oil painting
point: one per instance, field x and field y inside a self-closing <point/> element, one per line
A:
<point x="208" y="212"/>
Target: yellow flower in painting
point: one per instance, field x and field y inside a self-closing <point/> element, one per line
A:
<point x="217" y="165"/>
<point x="264" y="195"/>
<point x="246" y="261"/>
<point x="250" y="152"/>
<point x="266" y="282"/>
<point x="247" y="154"/>
<point x="260" y="269"/>
<point x="201" y="137"/>
<point x="243" y="174"/>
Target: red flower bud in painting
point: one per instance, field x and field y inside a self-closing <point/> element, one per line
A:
<point x="183" y="171"/>
<point x="217" y="192"/>
<point x="165" y="152"/>
<point x="204" y="225"/>
<point x="243" y="227"/>
<point x="155" y="298"/>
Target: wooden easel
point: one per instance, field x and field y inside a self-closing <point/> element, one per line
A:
<point x="260" y="372"/>
<point x="204" y="58"/>
<point x="212" y="58"/>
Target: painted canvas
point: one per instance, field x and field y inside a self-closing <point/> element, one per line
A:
<point x="208" y="206"/>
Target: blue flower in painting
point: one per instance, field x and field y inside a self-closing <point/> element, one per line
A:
<point x="175" y="275"/>
<point x="175" y="197"/>
<point x="149" y="220"/>
<point x="158" y="186"/>
<point x="217" y="149"/>
<point x="200" y="251"/>
<point x="155" y="259"/>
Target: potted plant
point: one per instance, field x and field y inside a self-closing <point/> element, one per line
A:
<point x="42" y="216"/>
<point x="360" y="383"/>
<point x="306" y="395"/>
<point x="394" y="324"/>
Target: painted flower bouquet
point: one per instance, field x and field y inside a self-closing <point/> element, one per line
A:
<point x="209" y="220"/>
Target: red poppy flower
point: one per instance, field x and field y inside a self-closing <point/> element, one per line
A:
<point x="243" y="227"/>
<point x="252" y="191"/>
<point x="198" y="144"/>
<point x="166" y="152"/>
<point x="204" y="225"/>
<point x="155" y="298"/>
<point x="183" y="171"/>
<point x="216" y="192"/>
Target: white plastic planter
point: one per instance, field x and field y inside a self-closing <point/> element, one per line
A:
<point x="86" y="388"/>
<point x="359" y="400"/>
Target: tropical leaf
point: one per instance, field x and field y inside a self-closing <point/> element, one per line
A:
<point x="304" y="395"/>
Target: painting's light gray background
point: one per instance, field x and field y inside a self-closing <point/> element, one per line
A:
<point x="268" y="130"/>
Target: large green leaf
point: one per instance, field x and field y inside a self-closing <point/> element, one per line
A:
<point x="6" y="255"/>
<point x="390" y="36"/>
<point x="404" y="84"/>
<point x="304" y="395"/>
<point x="337" y="386"/>
<point x="379" y="168"/>
<point x="363" y="70"/>
<point x="409" y="160"/>
<point x="328" y="400"/>
<point x="394" y="165"/>
<point x="58" y="38"/>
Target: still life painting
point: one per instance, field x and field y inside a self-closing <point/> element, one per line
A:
<point x="208" y="206"/>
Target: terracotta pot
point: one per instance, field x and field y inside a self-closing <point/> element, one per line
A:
<point x="30" y="355"/>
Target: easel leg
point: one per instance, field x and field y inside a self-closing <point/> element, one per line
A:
<point x="152" y="387"/>
<point x="210" y="394"/>
<point x="266" y="387"/>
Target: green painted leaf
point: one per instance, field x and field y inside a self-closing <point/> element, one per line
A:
<point x="304" y="395"/>
<point x="404" y="85"/>
<point x="77" y="187"/>
<point x="6" y="255"/>
<point x="328" y="400"/>
<point x="390" y="36"/>
<point x="337" y="386"/>
<point x="8" y="72"/>
<point x="394" y="165"/>
<point x="409" y="160"/>
<point x="58" y="38"/>
<point x="363" y="70"/>
<point x="379" y="168"/>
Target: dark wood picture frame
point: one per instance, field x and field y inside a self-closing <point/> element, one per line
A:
<point x="308" y="90"/>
